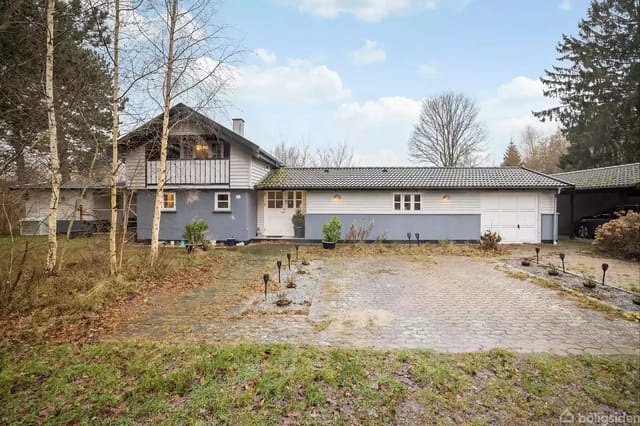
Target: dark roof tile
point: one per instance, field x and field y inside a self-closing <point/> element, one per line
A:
<point x="623" y="176"/>
<point x="408" y="178"/>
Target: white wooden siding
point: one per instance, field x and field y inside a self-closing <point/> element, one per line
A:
<point x="93" y="206"/>
<point x="135" y="168"/>
<point x="187" y="128"/>
<point x="239" y="169"/>
<point x="260" y="201"/>
<point x="546" y="200"/>
<point x="381" y="202"/>
<point x="258" y="170"/>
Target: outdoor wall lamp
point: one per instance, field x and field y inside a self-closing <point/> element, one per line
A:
<point x="562" y="259"/>
<point x="337" y="197"/>
<point x="605" y="266"/>
<point x="445" y="197"/>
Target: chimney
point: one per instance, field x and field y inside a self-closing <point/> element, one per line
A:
<point x="238" y="126"/>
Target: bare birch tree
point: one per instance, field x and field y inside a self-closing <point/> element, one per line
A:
<point x="164" y="137"/>
<point x="115" y="130"/>
<point x="448" y="132"/>
<point x="194" y="52"/>
<point x="53" y="143"/>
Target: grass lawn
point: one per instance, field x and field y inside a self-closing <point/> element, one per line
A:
<point x="280" y="384"/>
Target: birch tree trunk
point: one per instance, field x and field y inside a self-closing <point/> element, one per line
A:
<point x="168" y="82"/>
<point x="53" y="144"/>
<point x="115" y="128"/>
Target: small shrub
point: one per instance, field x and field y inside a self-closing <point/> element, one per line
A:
<point x="332" y="230"/>
<point x="553" y="271"/>
<point x="489" y="241"/>
<point x="195" y="232"/>
<point x="621" y="236"/>
<point x="359" y="233"/>
<point x="587" y="281"/>
<point x="526" y="262"/>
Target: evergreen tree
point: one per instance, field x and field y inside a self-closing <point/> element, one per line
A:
<point x="82" y="85"/>
<point x="598" y="85"/>
<point x="512" y="155"/>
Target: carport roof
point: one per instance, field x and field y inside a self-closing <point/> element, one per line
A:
<point x="622" y="176"/>
<point x="408" y="178"/>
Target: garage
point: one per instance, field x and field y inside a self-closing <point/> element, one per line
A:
<point x="512" y="215"/>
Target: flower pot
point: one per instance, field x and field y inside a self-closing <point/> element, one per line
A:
<point x="231" y="242"/>
<point x="329" y="245"/>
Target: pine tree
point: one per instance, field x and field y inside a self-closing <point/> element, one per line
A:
<point x="598" y="85"/>
<point x="512" y="155"/>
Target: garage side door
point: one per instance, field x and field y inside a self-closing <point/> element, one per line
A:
<point x="513" y="215"/>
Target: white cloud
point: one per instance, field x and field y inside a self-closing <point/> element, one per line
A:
<point x="369" y="53"/>
<point x="428" y="69"/>
<point x="297" y="81"/>
<point x="565" y="5"/>
<point x="365" y="10"/>
<point x="265" y="56"/>
<point x="378" y="130"/>
<point x="521" y="88"/>
<point x="509" y="111"/>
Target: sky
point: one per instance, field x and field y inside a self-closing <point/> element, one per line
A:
<point x="325" y="72"/>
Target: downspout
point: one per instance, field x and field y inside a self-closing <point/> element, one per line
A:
<point x="555" y="216"/>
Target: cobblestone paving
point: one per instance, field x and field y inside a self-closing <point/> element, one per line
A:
<point x="454" y="304"/>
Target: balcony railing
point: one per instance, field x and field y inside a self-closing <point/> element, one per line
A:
<point x="190" y="172"/>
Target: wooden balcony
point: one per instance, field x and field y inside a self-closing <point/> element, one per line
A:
<point x="190" y="172"/>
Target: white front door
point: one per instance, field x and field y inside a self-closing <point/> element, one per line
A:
<point x="279" y="207"/>
<point x="512" y="215"/>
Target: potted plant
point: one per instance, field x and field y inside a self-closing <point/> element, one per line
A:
<point x="298" y="224"/>
<point x="195" y="233"/>
<point x="332" y="231"/>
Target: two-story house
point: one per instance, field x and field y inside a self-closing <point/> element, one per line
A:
<point x="241" y="191"/>
<point x="211" y="172"/>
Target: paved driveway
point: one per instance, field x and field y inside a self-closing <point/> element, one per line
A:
<point x="446" y="303"/>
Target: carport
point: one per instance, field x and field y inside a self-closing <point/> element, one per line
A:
<point x="596" y="190"/>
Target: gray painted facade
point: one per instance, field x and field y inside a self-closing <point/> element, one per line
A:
<point x="548" y="233"/>
<point x="239" y="223"/>
<point x="432" y="227"/>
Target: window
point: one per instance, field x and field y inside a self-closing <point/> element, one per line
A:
<point x="169" y="201"/>
<point x="223" y="202"/>
<point x="201" y="151"/>
<point x="294" y="199"/>
<point x="417" y="202"/>
<point x="407" y="202"/>
<point x="274" y="199"/>
<point x="217" y="150"/>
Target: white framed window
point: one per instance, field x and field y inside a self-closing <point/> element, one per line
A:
<point x="275" y="199"/>
<point x="294" y="199"/>
<point x="222" y="202"/>
<point x="406" y="202"/>
<point x="169" y="202"/>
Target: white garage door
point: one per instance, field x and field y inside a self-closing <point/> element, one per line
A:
<point x="513" y="215"/>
